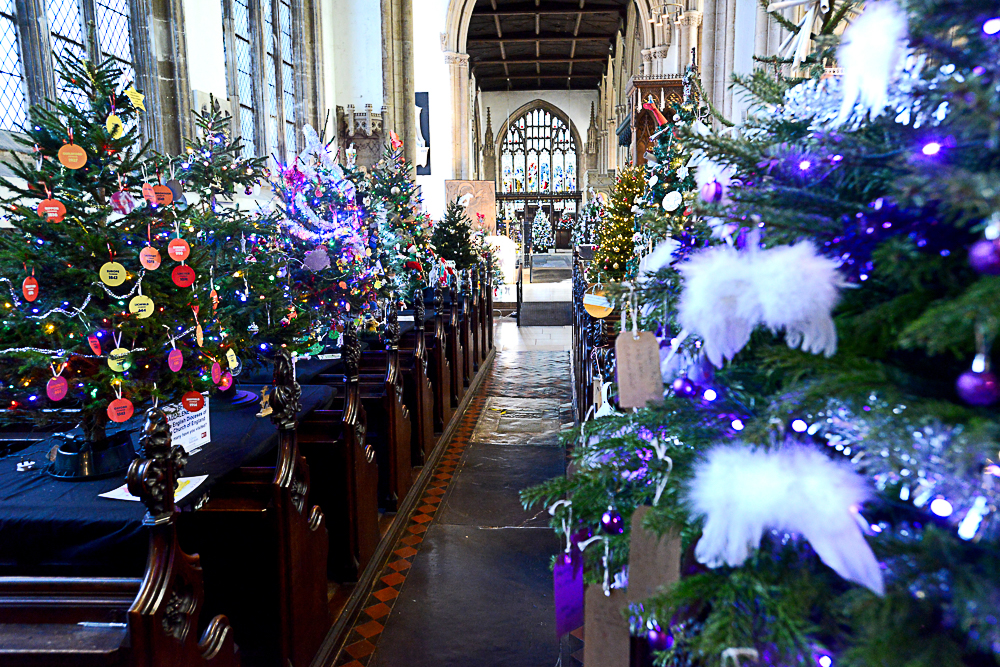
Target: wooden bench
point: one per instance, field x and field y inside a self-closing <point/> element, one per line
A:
<point x="148" y="622"/>
<point x="418" y="391"/>
<point x="264" y="545"/>
<point x="437" y="343"/>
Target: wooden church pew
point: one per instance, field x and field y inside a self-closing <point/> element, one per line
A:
<point x="418" y="392"/>
<point x="344" y="472"/>
<point x="456" y="348"/>
<point x="265" y="545"/>
<point x="437" y="342"/>
<point x="148" y="622"/>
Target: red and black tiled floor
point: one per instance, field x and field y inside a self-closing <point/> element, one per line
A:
<point x="469" y="582"/>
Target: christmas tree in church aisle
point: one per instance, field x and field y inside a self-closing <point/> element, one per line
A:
<point x="541" y="232"/>
<point x="251" y="284"/>
<point x="615" y="258"/>
<point x="331" y="241"/>
<point x="92" y="315"/>
<point x="452" y="237"/>
<point x="405" y="249"/>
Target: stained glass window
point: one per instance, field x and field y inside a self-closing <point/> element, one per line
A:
<point x="13" y="100"/>
<point x="538" y="155"/>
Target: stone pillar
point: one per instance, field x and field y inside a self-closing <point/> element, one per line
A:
<point x="397" y="73"/>
<point x="458" y="67"/>
<point x="647" y="62"/>
<point x="690" y="22"/>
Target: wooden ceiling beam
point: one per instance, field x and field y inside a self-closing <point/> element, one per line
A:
<point x="521" y="9"/>
<point x="538" y="76"/>
<point x="542" y="37"/>
<point x="543" y="61"/>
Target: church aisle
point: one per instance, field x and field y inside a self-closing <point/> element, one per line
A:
<point x="470" y="583"/>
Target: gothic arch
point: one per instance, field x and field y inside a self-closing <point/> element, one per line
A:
<point x="531" y="106"/>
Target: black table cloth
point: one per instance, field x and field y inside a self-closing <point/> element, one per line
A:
<point x="62" y="528"/>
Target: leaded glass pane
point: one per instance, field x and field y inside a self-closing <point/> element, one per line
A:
<point x="244" y="83"/>
<point x="551" y="155"/>
<point x="114" y="37"/>
<point x="13" y="103"/>
<point x="66" y="27"/>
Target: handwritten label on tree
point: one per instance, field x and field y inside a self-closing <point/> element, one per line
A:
<point x="638" y="367"/>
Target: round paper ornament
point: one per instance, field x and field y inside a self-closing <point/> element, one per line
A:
<point x="56" y="388"/>
<point x="52" y="210"/>
<point x="113" y="274"/>
<point x="72" y="156"/>
<point x="30" y="288"/>
<point x="672" y="201"/>
<point x="120" y="359"/>
<point x="115" y="126"/>
<point x="216" y="372"/>
<point x="183" y="275"/>
<point x="214" y="296"/>
<point x="122" y="202"/>
<point x="226" y="382"/>
<point x="149" y="257"/>
<point x="163" y="194"/>
<point x="175" y="359"/>
<point x="148" y="194"/>
<point x="95" y="344"/>
<point x="596" y="303"/>
<point x="199" y="335"/>
<point x="193" y="401"/>
<point x="178" y="250"/>
<point x="176" y="189"/>
<point x="120" y="410"/>
<point x="141" y="306"/>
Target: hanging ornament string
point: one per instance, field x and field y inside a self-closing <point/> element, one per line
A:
<point x="661" y="454"/>
<point x="566" y="522"/>
<point x="607" y="554"/>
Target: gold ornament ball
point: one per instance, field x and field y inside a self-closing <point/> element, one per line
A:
<point x="616" y="265"/>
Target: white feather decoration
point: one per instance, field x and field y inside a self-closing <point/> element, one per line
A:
<point x="870" y="52"/>
<point x="719" y="303"/>
<point x="743" y="492"/>
<point x="661" y="256"/>
<point x="797" y="289"/>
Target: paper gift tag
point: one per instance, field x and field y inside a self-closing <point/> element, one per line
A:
<point x="95" y="344"/>
<point x="568" y="585"/>
<point x="52" y="210"/>
<point x="216" y="372"/>
<point x="637" y="364"/>
<point x="56" y="388"/>
<point x="120" y="410"/>
<point x="113" y="274"/>
<point x="183" y="275"/>
<point x="114" y="126"/>
<point x="72" y="156"/>
<point x="178" y="250"/>
<point x="149" y="257"/>
<point x="193" y="401"/>
<point x="607" y="643"/>
<point x="653" y="561"/>
<point x="141" y="306"/>
<point x="148" y="194"/>
<point x="597" y="305"/>
<point x="30" y="288"/>
<point x="226" y="382"/>
<point x="176" y="189"/>
<point x="231" y="358"/>
<point x="163" y="195"/>
<point x="175" y="360"/>
<point x="120" y="359"/>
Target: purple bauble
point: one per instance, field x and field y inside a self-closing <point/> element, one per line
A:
<point x="659" y="640"/>
<point x="682" y="386"/>
<point x="978" y="388"/>
<point x="612" y="523"/>
<point x="582" y="535"/>
<point x="712" y="192"/>
<point x="984" y="257"/>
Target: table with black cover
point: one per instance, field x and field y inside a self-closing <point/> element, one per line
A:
<point x="51" y="527"/>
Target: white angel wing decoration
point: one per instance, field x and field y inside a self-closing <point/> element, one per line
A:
<point x="743" y="492"/>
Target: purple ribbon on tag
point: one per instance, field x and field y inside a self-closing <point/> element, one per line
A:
<point x="568" y="586"/>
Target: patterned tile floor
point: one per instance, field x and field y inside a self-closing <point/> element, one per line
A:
<point x="469" y="582"/>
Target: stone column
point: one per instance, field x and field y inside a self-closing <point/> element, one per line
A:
<point x="647" y="62"/>
<point x="458" y="67"/>
<point x="690" y="22"/>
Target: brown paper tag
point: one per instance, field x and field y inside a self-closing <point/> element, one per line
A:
<point x="607" y="633"/>
<point x="653" y="561"/>
<point x="637" y="362"/>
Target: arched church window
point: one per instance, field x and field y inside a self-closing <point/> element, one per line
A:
<point x="538" y="155"/>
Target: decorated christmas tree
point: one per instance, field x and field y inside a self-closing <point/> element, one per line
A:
<point x="541" y="232"/>
<point x="249" y="277"/>
<point x="405" y="248"/>
<point x="826" y="451"/>
<point x="110" y="304"/>
<point x="452" y="238"/>
<point x="616" y="257"/>
<point x="331" y="241"/>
